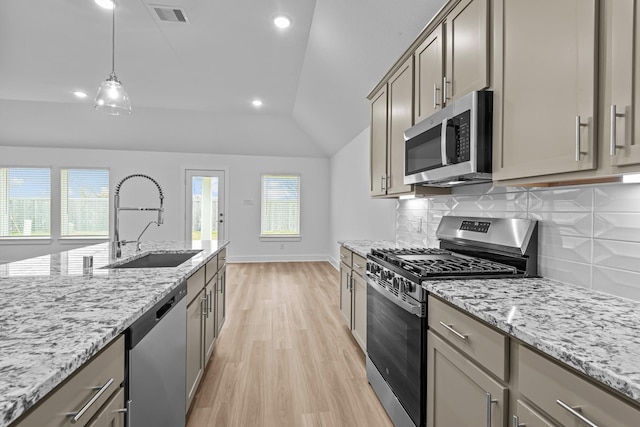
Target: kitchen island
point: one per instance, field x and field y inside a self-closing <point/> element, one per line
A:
<point x="54" y="315"/>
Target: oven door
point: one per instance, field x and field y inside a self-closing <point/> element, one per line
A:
<point x="396" y="344"/>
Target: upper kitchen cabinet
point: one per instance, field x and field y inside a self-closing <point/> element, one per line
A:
<point x="620" y="79"/>
<point x="545" y="87"/>
<point x="467" y="44"/>
<point x="429" y="75"/>
<point x="378" y="148"/>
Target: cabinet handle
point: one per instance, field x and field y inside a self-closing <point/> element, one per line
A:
<point x="574" y="412"/>
<point x="221" y="280"/>
<point x="76" y="415"/>
<point x="578" y="125"/>
<point x="435" y="96"/>
<point x="613" y="145"/>
<point x="342" y="256"/>
<point x="210" y="302"/>
<point x="357" y="265"/>
<point x="453" y="331"/>
<point x="516" y="422"/>
<point x="382" y="183"/>
<point x="490" y="402"/>
<point x="203" y="311"/>
<point x="348" y="282"/>
<point x="444" y="90"/>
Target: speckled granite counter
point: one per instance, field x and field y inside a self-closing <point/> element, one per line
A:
<point x="363" y="247"/>
<point x="53" y="318"/>
<point x="593" y="332"/>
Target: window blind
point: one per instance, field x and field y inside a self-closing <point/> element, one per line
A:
<point x="280" y="206"/>
<point x="25" y="202"/>
<point x="84" y="202"/>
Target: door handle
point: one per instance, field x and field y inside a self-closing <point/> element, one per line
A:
<point x="490" y="402"/>
<point x="435" y="96"/>
<point x="613" y="145"/>
<point x="76" y="415"/>
<point x="578" y="126"/>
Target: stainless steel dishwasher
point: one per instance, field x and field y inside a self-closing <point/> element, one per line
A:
<point x="156" y="363"/>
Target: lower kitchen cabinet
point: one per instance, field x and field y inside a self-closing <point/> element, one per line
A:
<point x="91" y="396"/>
<point x="195" y="344"/>
<point x="459" y="392"/>
<point x="210" y="331"/>
<point x="353" y="294"/>
<point x="524" y="416"/>
<point x="220" y="300"/>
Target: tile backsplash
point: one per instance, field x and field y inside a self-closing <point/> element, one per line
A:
<point x="588" y="235"/>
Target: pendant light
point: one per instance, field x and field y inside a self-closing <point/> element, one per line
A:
<point x="112" y="98"/>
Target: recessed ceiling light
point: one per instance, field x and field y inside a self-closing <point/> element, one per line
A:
<point x="80" y="94"/>
<point x="256" y="103"/>
<point x="282" y="21"/>
<point x="107" y="4"/>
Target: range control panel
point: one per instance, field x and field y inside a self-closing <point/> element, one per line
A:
<point x="477" y="226"/>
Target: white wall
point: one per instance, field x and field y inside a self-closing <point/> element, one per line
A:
<point x="243" y="198"/>
<point x="354" y="214"/>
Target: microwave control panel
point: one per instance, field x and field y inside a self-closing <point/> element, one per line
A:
<point x="462" y="123"/>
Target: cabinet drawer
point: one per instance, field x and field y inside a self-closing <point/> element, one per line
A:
<point x="488" y="347"/>
<point x="549" y="385"/>
<point x="359" y="264"/>
<point x="111" y="415"/>
<point x="195" y="284"/>
<point x="211" y="268"/>
<point x="107" y="367"/>
<point x="345" y="256"/>
<point x="222" y="258"/>
<point x="528" y="417"/>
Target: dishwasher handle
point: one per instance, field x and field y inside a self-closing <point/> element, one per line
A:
<point x="165" y="308"/>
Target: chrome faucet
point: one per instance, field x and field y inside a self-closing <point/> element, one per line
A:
<point x="116" y="244"/>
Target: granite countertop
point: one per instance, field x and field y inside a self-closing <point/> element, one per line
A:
<point x="593" y="332"/>
<point x="54" y="317"/>
<point x="363" y="247"/>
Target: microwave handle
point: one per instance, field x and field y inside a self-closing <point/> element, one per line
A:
<point x="443" y="142"/>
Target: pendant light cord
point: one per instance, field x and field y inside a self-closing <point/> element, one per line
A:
<point x="113" y="38"/>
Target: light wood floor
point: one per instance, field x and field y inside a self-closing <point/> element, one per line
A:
<point x="285" y="356"/>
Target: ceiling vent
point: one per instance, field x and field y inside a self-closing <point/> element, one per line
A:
<point x="170" y="13"/>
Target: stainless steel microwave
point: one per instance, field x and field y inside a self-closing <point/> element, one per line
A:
<point x="452" y="146"/>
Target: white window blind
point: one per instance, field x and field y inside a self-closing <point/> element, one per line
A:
<point x="25" y="202"/>
<point x="280" y="206"/>
<point x="84" y="202"/>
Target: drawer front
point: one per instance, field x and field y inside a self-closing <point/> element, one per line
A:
<point x="211" y="268"/>
<point x="550" y="386"/>
<point x="222" y="258"/>
<point x="345" y="256"/>
<point x="528" y="417"/>
<point x="486" y="346"/>
<point x="74" y="395"/>
<point x="112" y="414"/>
<point x="195" y="284"/>
<point x="359" y="264"/>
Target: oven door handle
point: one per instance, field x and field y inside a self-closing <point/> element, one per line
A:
<point x="417" y="310"/>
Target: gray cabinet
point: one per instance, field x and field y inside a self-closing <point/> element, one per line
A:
<point x="210" y="331"/>
<point x="220" y="298"/>
<point x="195" y="344"/>
<point x="353" y="295"/>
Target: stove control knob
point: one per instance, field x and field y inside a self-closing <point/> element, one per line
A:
<point x="397" y="283"/>
<point x="409" y="286"/>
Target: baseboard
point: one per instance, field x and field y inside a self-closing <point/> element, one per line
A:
<point x="278" y="258"/>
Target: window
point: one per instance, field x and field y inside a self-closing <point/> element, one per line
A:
<point x="280" y="206"/>
<point x="84" y="202"/>
<point x="25" y="202"/>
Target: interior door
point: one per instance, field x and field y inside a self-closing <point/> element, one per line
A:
<point x="205" y="209"/>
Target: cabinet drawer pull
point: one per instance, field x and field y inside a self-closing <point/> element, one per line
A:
<point x="516" y="422"/>
<point x="342" y="256"/>
<point x="76" y="415"/>
<point x="490" y="402"/>
<point x="357" y="265"/>
<point x="578" y="126"/>
<point x="453" y="331"/>
<point x="575" y="413"/>
<point x="613" y="145"/>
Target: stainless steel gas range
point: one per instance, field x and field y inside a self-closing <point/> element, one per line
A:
<point x="397" y="302"/>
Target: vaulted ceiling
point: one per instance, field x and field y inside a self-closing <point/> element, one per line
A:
<point x="191" y="84"/>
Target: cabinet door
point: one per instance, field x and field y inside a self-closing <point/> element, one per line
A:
<point x="112" y="414"/>
<point x="378" y="146"/>
<point x="545" y="71"/>
<point x="621" y="113"/>
<point x="467" y="57"/>
<point x="527" y="417"/>
<point x="345" y="294"/>
<point x="360" y="310"/>
<point x="429" y="74"/>
<point x="400" y="119"/>
<point x="221" y="297"/>
<point x="458" y="392"/>
<point x="210" y="317"/>
<point x="195" y="340"/>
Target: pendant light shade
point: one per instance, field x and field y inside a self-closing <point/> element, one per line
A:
<point x="112" y="98"/>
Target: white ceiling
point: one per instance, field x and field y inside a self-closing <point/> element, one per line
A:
<point x="191" y="85"/>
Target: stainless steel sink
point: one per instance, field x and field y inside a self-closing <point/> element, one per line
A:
<point x="157" y="260"/>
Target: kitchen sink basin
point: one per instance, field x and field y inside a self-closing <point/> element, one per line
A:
<point x="157" y="260"/>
